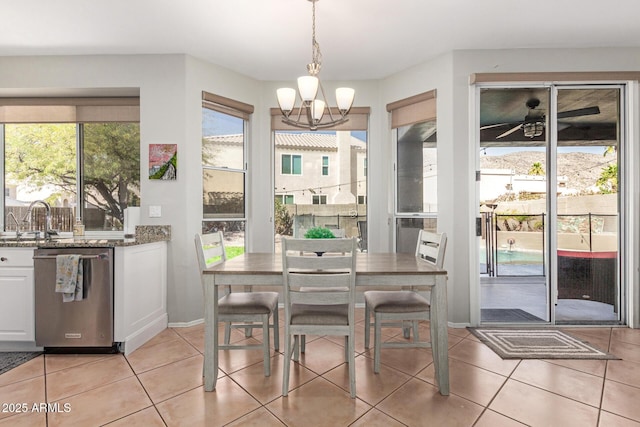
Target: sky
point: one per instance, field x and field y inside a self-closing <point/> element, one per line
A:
<point x="499" y="151"/>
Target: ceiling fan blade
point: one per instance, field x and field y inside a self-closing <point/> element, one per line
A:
<point x="497" y="125"/>
<point x="510" y="131"/>
<point x="579" y="112"/>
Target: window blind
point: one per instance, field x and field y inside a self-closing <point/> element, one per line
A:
<point x="70" y="110"/>
<point x="358" y="119"/>
<point x="415" y="109"/>
<point x="226" y="105"/>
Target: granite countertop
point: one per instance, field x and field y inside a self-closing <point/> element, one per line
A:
<point x="144" y="234"/>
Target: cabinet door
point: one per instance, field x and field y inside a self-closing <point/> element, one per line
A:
<point x="16" y="304"/>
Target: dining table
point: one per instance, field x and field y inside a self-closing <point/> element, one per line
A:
<point x="373" y="270"/>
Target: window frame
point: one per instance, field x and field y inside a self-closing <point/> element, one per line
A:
<point x="242" y="111"/>
<point x="420" y="108"/>
<point x="291" y="156"/>
<point x="74" y="111"/>
<point x="283" y="198"/>
<point x="321" y="199"/>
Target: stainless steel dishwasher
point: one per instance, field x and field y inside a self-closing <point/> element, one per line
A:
<point x="87" y="323"/>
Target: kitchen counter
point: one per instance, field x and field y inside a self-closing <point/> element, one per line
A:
<point x="144" y="234"/>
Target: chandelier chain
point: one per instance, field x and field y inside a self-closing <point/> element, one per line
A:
<point x="316" y="54"/>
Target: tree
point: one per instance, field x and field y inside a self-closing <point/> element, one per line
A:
<point x="39" y="155"/>
<point x="112" y="166"/>
<point x="536" y="169"/>
<point x="283" y="219"/>
<point x="608" y="180"/>
<point x="610" y="149"/>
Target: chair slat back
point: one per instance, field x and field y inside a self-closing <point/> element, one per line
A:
<point x="210" y="249"/>
<point x="431" y="247"/>
<point x="326" y="279"/>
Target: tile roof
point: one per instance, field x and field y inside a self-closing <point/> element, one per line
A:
<point x="311" y="141"/>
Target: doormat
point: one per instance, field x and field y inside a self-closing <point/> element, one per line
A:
<point x="13" y="359"/>
<point x="507" y="315"/>
<point x="537" y="344"/>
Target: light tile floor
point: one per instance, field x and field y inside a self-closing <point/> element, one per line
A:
<point x="160" y="384"/>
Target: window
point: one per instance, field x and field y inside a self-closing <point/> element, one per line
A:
<point x="416" y="173"/>
<point x="364" y="166"/>
<point x="362" y="200"/>
<point x="291" y="164"/>
<point x="325" y="165"/>
<point x="80" y="155"/>
<point x="320" y="199"/>
<point x="334" y="176"/>
<point x="224" y="169"/>
<point x="285" y="199"/>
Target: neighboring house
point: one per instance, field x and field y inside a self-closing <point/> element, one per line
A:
<point x="310" y="168"/>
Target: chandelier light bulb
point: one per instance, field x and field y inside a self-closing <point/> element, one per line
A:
<point x="286" y="99"/>
<point x="344" y="98"/>
<point x="308" y="87"/>
<point x="317" y="109"/>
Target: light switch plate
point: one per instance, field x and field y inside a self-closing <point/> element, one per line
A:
<point x="155" y="211"/>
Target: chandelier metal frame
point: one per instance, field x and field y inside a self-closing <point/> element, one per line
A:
<point x="309" y="87"/>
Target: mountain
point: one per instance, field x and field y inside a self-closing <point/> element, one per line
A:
<point x="581" y="169"/>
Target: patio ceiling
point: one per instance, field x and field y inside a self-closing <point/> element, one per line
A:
<point x="509" y="107"/>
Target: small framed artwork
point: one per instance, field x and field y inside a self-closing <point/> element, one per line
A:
<point x="163" y="161"/>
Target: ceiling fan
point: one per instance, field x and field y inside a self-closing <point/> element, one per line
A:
<point x="534" y="122"/>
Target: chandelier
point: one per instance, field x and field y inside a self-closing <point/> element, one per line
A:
<point x="312" y="96"/>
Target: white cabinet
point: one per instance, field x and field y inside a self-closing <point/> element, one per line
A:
<point x="140" y="294"/>
<point x="17" y="318"/>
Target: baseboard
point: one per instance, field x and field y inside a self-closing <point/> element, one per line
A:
<point x="6" y="346"/>
<point x="458" y="325"/>
<point x="186" y="324"/>
<point x="141" y="336"/>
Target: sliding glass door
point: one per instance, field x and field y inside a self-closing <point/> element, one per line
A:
<point x="549" y="207"/>
<point x="587" y="205"/>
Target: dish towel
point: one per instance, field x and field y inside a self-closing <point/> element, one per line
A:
<point x="69" y="277"/>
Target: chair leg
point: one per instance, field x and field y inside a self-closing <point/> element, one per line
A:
<point x="266" y="349"/>
<point x="286" y="364"/>
<point x="367" y="324"/>
<point x="377" y="343"/>
<point x="276" y="330"/>
<point x="406" y="330"/>
<point x="352" y="364"/>
<point x="227" y="332"/>
<point x="296" y="348"/>
<point x="303" y="343"/>
<point x="416" y="334"/>
<point x="346" y="349"/>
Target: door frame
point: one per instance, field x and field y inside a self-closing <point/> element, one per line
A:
<point x="628" y="223"/>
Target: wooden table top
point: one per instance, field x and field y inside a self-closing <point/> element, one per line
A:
<point x="366" y="264"/>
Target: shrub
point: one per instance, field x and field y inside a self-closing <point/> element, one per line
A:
<point x="319" y="233"/>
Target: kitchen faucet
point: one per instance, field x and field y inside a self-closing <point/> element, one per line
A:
<point x="48" y="231"/>
<point x="12" y="216"/>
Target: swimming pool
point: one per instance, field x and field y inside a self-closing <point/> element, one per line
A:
<point x="506" y="256"/>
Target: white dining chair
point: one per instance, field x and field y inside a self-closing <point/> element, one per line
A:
<point x="403" y="308"/>
<point x="319" y="296"/>
<point x="242" y="310"/>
